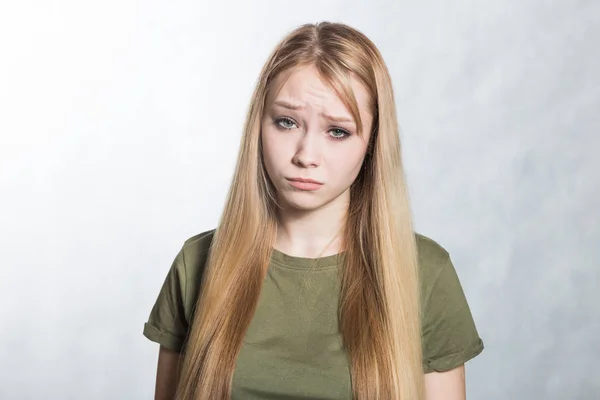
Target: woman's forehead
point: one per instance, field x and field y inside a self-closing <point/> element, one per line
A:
<point x="305" y="86"/>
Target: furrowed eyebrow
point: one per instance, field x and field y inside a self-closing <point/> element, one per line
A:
<point x="285" y="104"/>
<point x="291" y="106"/>
<point x="337" y="119"/>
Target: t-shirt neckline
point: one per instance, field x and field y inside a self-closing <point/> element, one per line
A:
<point x="296" y="262"/>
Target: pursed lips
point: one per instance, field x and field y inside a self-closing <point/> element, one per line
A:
<point x="305" y="180"/>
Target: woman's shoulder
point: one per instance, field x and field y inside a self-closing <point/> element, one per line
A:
<point x="429" y="250"/>
<point x="432" y="258"/>
<point x="200" y="242"/>
<point x="194" y="253"/>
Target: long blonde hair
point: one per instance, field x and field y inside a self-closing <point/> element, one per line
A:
<point x="379" y="294"/>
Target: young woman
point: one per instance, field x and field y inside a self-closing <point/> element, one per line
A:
<point x="314" y="284"/>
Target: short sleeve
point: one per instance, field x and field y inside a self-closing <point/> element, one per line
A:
<point x="167" y="324"/>
<point x="450" y="337"/>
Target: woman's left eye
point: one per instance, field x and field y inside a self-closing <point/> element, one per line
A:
<point x="339" y="133"/>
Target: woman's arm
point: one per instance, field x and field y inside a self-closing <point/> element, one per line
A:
<point x="448" y="385"/>
<point x="166" y="374"/>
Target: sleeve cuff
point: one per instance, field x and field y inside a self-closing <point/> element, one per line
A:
<point x="455" y="360"/>
<point x="166" y="339"/>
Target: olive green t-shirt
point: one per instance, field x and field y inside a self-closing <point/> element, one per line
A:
<point x="293" y="348"/>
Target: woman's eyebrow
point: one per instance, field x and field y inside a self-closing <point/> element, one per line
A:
<point x="288" y="105"/>
<point x="291" y="106"/>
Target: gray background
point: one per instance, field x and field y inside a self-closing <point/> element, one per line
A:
<point x="119" y="129"/>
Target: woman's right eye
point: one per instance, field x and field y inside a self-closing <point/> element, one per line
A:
<point x="284" y="123"/>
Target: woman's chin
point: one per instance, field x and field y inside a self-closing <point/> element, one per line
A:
<point x="301" y="202"/>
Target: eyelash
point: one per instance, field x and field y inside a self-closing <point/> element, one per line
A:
<point x="280" y="119"/>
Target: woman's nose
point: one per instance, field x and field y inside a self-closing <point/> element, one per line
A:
<point x="308" y="152"/>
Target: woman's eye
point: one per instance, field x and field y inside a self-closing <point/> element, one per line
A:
<point x="338" y="133"/>
<point x="285" y="123"/>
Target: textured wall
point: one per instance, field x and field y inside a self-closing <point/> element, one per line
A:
<point x="119" y="127"/>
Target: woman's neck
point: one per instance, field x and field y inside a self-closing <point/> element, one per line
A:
<point x="311" y="234"/>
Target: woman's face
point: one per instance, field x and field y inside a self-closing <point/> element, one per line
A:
<point x="308" y="134"/>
